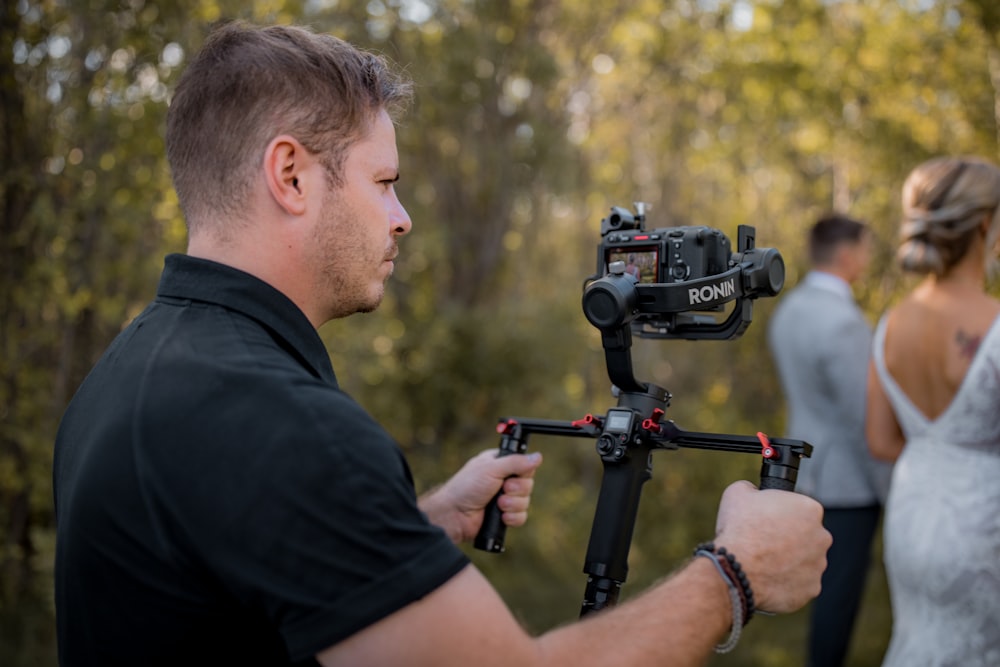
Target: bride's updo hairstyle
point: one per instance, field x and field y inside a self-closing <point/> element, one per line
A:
<point x="944" y="202"/>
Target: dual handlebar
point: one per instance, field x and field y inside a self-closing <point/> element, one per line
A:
<point x="625" y="439"/>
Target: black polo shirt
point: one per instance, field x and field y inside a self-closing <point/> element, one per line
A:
<point x="219" y="499"/>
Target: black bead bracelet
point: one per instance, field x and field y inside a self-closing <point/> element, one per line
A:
<point x="741" y="594"/>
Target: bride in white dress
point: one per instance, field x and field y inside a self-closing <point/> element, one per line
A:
<point x="934" y="409"/>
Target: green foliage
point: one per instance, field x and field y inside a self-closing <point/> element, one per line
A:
<point x="532" y="118"/>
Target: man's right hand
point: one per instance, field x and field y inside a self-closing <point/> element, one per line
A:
<point x="779" y="539"/>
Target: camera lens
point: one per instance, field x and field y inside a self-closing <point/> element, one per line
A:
<point x="766" y="276"/>
<point x="611" y="301"/>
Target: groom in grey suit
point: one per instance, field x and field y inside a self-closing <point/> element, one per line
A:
<point x="821" y="341"/>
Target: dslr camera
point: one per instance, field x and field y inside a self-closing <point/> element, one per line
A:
<point x="674" y="282"/>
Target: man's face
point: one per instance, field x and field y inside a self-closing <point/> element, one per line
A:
<point x="354" y="240"/>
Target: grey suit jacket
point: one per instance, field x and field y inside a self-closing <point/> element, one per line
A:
<point x="821" y="345"/>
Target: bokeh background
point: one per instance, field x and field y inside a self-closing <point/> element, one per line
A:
<point x="532" y="118"/>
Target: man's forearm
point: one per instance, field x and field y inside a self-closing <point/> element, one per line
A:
<point x="692" y="607"/>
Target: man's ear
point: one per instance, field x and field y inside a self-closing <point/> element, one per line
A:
<point x="285" y="161"/>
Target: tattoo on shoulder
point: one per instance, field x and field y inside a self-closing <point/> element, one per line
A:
<point x="967" y="343"/>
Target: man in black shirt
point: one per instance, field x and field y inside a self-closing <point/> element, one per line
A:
<point x="220" y="500"/>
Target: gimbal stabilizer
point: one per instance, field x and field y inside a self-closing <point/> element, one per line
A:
<point x="628" y="433"/>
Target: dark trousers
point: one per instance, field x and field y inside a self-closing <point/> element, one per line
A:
<point x="834" y="611"/>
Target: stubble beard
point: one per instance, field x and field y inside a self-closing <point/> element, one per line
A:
<point x="339" y="265"/>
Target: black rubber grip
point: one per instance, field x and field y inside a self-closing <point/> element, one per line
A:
<point x="767" y="482"/>
<point x="492" y="533"/>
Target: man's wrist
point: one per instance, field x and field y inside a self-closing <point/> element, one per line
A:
<point x="440" y="512"/>
<point x="718" y="593"/>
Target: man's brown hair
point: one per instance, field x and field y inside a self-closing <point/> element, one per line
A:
<point x="249" y="84"/>
<point x="829" y="233"/>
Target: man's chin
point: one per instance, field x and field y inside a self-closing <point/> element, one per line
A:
<point x="345" y="310"/>
<point x="372" y="304"/>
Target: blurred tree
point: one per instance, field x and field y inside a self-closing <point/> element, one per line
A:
<point x="86" y="211"/>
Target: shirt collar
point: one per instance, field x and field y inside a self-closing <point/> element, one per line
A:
<point x="829" y="282"/>
<point x="197" y="279"/>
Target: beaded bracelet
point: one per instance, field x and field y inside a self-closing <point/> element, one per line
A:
<point x="734" y="601"/>
<point x="740" y="592"/>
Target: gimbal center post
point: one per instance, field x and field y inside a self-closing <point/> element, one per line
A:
<point x="628" y="464"/>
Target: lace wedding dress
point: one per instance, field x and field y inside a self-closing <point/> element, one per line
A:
<point x="942" y="521"/>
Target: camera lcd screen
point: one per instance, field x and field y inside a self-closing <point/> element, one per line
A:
<point x="640" y="262"/>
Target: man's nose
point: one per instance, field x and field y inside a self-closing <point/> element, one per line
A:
<point x="401" y="223"/>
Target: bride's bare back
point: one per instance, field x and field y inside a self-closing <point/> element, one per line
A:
<point x="932" y="337"/>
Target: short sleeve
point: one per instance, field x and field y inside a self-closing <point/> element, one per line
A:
<point x="301" y="506"/>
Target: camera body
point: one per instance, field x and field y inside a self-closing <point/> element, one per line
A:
<point x="665" y="255"/>
<point x="668" y="255"/>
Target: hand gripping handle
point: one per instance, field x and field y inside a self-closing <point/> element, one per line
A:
<point x="493" y="531"/>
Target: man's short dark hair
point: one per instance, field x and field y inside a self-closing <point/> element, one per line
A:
<point x="249" y="84"/>
<point x="830" y="232"/>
